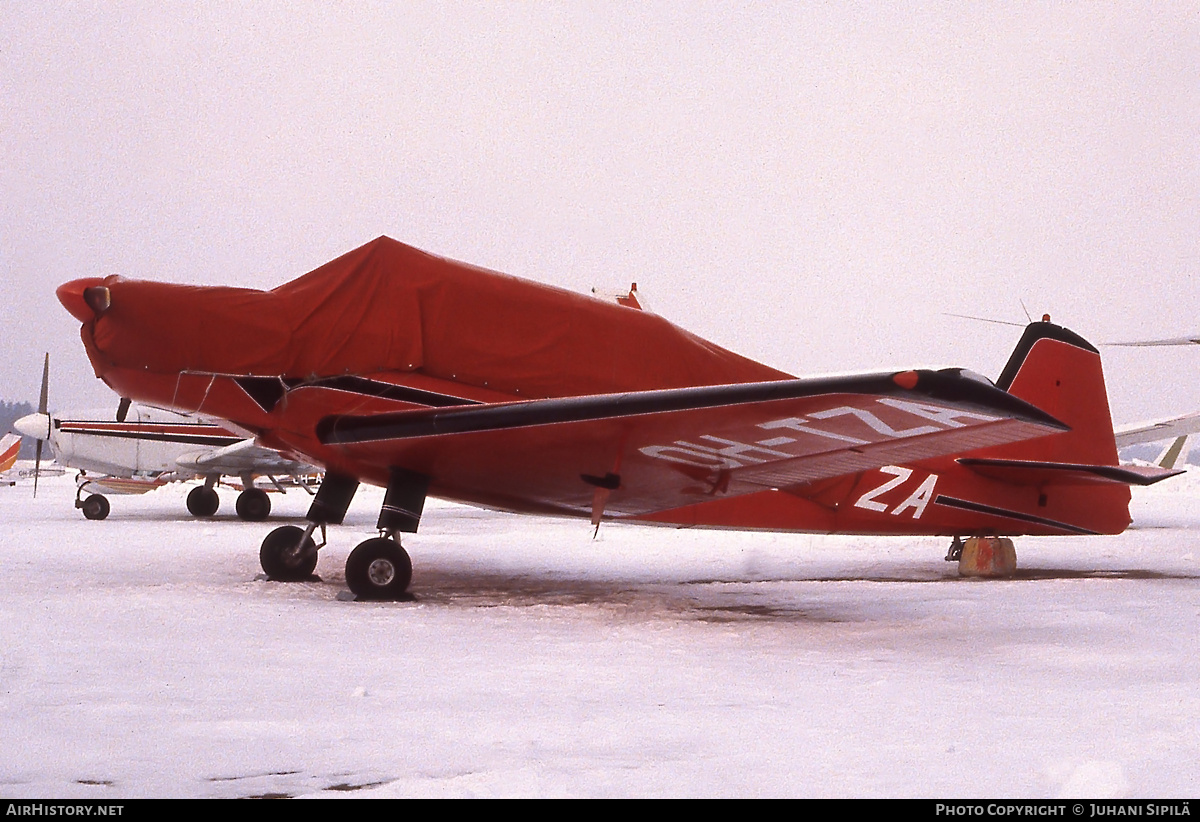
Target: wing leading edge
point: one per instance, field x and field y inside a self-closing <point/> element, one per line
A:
<point x="657" y="450"/>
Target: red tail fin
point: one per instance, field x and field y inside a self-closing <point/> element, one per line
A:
<point x="1059" y="372"/>
<point x="1074" y="475"/>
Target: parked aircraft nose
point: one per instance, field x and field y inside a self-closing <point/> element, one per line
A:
<point x="86" y="299"/>
<point x="36" y="426"/>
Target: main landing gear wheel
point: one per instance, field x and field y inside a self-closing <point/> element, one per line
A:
<point x="95" y="506"/>
<point x="203" y="501"/>
<point x="284" y="558"/>
<point x="378" y="569"/>
<point x="253" y="505"/>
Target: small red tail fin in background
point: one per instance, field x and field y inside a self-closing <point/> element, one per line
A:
<point x="10" y="446"/>
<point x="1060" y="372"/>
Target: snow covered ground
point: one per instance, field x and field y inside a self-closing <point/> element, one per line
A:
<point x="145" y="656"/>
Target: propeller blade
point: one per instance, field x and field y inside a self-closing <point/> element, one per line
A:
<point x="42" y="401"/>
<point x="45" y="384"/>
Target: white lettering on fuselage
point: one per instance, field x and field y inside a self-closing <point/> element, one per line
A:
<point x="899" y="474"/>
<point x="917" y="500"/>
<point x="852" y="425"/>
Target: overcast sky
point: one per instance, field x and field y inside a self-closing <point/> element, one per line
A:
<point x="812" y="185"/>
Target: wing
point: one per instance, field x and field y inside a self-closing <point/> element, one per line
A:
<point x="1160" y="430"/>
<point x="242" y="457"/>
<point x="1193" y="340"/>
<point x="662" y="449"/>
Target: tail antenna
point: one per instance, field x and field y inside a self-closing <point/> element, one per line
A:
<point x="982" y="319"/>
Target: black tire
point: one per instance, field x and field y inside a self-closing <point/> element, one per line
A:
<point x="253" y="505"/>
<point x="95" y="506"/>
<point x="203" y="501"/>
<point x="378" y="569"/>
<point x="281" y="561"/>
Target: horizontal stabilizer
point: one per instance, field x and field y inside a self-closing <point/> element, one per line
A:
<point x="1026" y="472"/>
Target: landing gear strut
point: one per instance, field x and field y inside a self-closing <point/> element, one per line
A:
<point x="95" y="506"/>
<point x="956" y="548"/>
<point x="380" y="568"/>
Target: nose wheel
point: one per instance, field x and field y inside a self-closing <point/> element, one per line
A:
<point x="94" y="507"/>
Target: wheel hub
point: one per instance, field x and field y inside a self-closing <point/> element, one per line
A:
<point x="381" y="572"/>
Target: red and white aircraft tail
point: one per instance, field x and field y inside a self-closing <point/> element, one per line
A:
<point x="1074" y="479"/>
<point x="10" y="446"/>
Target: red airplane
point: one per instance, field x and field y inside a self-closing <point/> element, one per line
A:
<point x="427" y="376"/>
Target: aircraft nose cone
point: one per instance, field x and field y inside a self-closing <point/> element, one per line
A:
<point x="36" y="426"/>
<point x="83" y="298"/>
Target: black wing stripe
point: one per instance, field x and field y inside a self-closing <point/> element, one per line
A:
<point x="946" y="386"/>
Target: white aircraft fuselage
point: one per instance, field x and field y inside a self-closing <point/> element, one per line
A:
<point x="149" y="441"/>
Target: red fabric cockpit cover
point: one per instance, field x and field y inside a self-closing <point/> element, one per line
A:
<point x="390" y="307"/>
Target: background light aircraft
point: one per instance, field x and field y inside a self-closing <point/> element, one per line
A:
<point x="432" y="377"/>
<point x="142" y="448"/>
